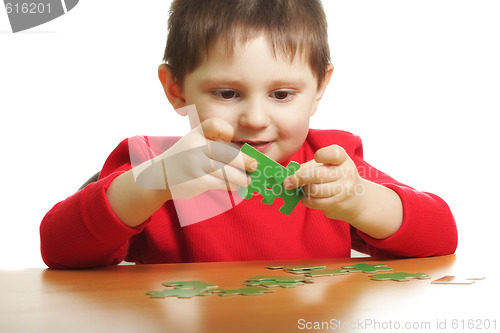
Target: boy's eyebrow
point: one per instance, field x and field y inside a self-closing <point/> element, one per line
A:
<point x="224" y="81"/>
<point x="297" y="82"/>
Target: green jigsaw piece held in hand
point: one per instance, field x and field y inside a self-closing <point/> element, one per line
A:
<point x="268" y="179"/>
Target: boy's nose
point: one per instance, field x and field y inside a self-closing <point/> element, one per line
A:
<point x="254" y="116"/>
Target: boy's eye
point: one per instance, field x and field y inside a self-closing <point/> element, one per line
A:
<point x="282" y="95"/>
<point x="225" y="94"/>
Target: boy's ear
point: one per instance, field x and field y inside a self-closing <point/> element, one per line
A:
<point x="322" y="87"/>
<point x="171" y="87"/>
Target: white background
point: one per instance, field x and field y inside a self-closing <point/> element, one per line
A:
<point x="419" y="81"/>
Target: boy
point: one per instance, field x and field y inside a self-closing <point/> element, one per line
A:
<point x="255" y="71"/>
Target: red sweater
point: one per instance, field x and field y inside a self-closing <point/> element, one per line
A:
<point x="82" y="231"/>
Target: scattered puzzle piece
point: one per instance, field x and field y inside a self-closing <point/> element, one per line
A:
<point x="309" y="270"/>
<point x="399" y="276"/>
<point x="278" y="278"/>
<point x="278" y="281"/>
<point x="179" y="293"/>
<point x="450" y="279"/>
<point x="271" y="284"/>
<point x="367" y="268"/>
<point x="184" y="289"/>
<point x="296" y="269"/>
<point x="200" y="285"/>
<point x="247" y="291"/>
<point x="260" y="284"/>
<point x="268" y="179"/>
<point x="327" y="272"/>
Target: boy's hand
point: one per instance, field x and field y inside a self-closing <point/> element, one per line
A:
<point x="331" y="183"/>
<point x="203" y="159"/>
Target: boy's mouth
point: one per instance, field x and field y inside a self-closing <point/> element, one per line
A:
<point x="261" y="146"/>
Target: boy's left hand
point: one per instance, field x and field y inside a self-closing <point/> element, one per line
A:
<point x="331" y="183"/>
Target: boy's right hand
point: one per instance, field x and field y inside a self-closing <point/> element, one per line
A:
<point x="204" y="159"/>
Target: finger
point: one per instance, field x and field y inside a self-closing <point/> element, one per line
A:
<point x="241" y="161"/>
<point x="320" y="203"/>
<point x="229" y="154"/>
<point x="208" y="182"/>
<point x="312" y="173"/>
<point x="217" y="129"/>
<point x="332" y="155"/>
<point x="251" y="163"/>
<point x="323" y="190"/>
<point x="231" y="175"/>
<point x="221" y="170"/>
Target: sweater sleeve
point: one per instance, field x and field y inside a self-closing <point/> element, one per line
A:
<point x="428" y="227"/>
<point x="82" y="230"/>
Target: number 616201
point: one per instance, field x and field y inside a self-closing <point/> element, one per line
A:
<point x="27" y="8"/>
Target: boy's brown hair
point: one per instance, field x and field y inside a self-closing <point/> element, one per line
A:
<point x="293" y="27"/>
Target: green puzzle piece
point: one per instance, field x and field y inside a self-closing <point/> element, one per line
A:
<point x="297" y="268"/>
<point x="180" y="293"/>
<point x="399" y="276"/>
<point x="280" y="279"/>
<point x="248" y="291"/>
<point x="184" y="289"/>
<point x="200" y="285"/>
<point x="327" y="272"/>
<point x="309" y="270"/>
<point x="367" y="268"/>
<point x="290" y="197"/>
<point x="268" y="179"/>
<point x="271" y="284"/>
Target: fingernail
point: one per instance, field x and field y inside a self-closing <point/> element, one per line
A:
<point x="287" y="184"/>
<point x="254" y="165"/>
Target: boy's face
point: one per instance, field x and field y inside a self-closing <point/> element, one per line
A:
<point x="267" y="100"/>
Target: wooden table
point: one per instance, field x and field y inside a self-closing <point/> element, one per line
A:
<point x="112" y="299"/>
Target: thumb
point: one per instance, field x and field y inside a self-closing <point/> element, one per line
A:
<point x="333" y="155"/>
<point x="217" y="129"/>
